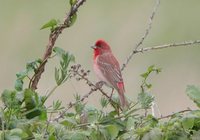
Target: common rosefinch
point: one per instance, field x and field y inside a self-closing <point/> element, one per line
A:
<point x="107" y="69"/>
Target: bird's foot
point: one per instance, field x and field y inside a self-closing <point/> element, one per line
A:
<point x="99" y="84"/>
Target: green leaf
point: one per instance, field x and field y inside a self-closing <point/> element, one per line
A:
<point x="148" y="86"/>
<point x="19" y="81"/>
<point x="145" y="99"/>
<point x="91" y="114"/>
<point x="80" y="135"/>
<point x="18" y="132"/>
<point x="11" y="99"/>
<point x="57" y="76"/>
<point x="113" y="131"/>
<point x="72" y="58"/>
<point x="72" y="2"/>
<point x="130" y="124"/>
<point x="52" y="137"/>
<point x="50" y="24"/>
<point x="59" y="51"/>
<point x="194" y="93"/>
<point x="34" y="105"/>
<point x="151" y="68"/>
<point x="30" y="67"/>
<point x="154" y="134"/>
<point x="144" y="75"/>
<point x="79" y="107"/>
<point x="104" y="102"/>
<point x="33" y="65"/>
<point x="187" y="122"/>
<point x="21" y="75"/>
<point x="57" y="105"/>
<point x="158" y="70"/>
<point x="69" y="122"/>
<point x="115" y="98"/>
<point x="9" y="137"/>
<point x="19" y="85"/>
<point x="61" y="74"/>
<point x="73" y="19"/>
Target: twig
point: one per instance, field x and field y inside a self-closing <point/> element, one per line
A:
<point x="52" y="39"/>
<point x="82" y="75"/>
<point x="96" y="86"/>
<point x="181" y="44"/>
<point x="144" y="36"/>
<point x="114" y="118"/>
<point x="93" y="87"/>
<point x="179" y="112"/>
<point x="71" y="104"/>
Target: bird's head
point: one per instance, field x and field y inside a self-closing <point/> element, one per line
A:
<point x="101" y="47"/>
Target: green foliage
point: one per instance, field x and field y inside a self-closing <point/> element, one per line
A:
<point x="52" y="24"/>
<point x="72" y="2"/>
<point x="34" y="105"/>
<point x="24" y="115"/>
<point x="104" y="102"/>
<point x="11" y="99"/>
<point x="31" y="67"/>
<point x="145" y="99"/>
<point x="61" y="74"/>
<point x="145" y="75"/>
<point x="74" y="16"/>
<point x="72" y="19"/>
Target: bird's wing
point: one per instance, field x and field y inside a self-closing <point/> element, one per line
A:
<point x="110" y="68"/>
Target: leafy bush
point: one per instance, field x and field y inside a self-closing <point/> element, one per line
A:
<point x="24" y="115"/>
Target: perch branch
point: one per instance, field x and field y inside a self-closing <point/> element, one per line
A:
<point x="52" y="39"/>
<point x="93" y="87"/>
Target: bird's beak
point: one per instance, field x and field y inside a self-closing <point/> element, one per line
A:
<point x="93" y="47"/>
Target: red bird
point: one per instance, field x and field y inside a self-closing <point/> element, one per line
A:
<point x="107" y="69"/>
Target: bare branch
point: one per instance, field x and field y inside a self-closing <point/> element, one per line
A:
<point x="181" y="44"/>
<point x="170" y="115"/>
<point x="52" y="39"/>
<point x="71" y="104"/>
<point x="144" y="36"/>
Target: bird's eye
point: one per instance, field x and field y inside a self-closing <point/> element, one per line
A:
<point x="99" y="46"/>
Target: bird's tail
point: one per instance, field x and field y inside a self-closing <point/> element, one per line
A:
<point x="122" y="98"/>
<point x="123" y="101"/>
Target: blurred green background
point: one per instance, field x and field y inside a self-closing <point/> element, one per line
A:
<point x="119" y="22"/>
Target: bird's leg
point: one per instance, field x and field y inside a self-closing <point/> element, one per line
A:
<point x="99" y="84"/>
<point x="111" y="94"/>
